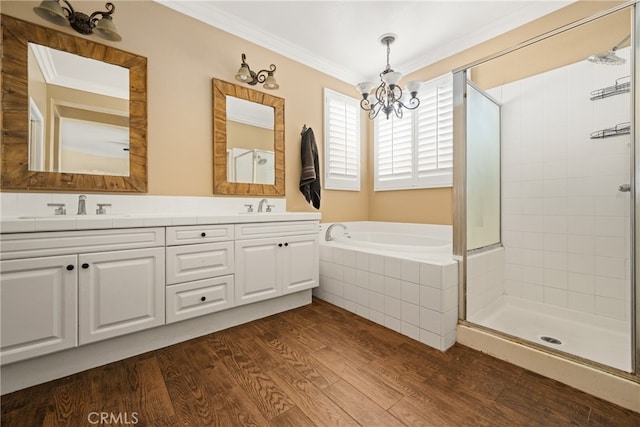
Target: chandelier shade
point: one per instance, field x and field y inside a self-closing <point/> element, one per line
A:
<point x="99" y="22"/>
<point x="387" y="96"/>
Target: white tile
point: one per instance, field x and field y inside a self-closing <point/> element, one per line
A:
<point x="430" y="275"/>
<point x="334" y="271"/>
<point x="556" y="279"/>
<point x="348" y="305"/>
<point x="611" y="206"/>
<point x="449" y="299"/>
<point x="376" y="264"/>
<point x="555" y="224"/>
<point x="583" y="225"/>
<point x="363" y="297"/>
<point x="392" y="287"/>
<point x="392" y="307"/>
<point x="449" y="322"/>
<point x="612" y="288"/>
<point x="580" y="205"/>
<point x="577" y="263"/>
<point x="349" y="275"/>
<point x="611" y="246"/>
<point x="513" y="288"/>
<point x="349" y="258"/>
<point x="376" y="282"/>
<point x="533" y="188"/>
<point x="430" y="339"/>
<point x="431" y="320"/>
<point x="410" y="292"/>
<point x="512" y="239"/>
<point x="410" y="271"/>
<point x="555" y="206"/>
<point x="555" y="260"/>
<point x="337" y="255"/>
<point x="610" y="267"/>
<point x="533" y="275"/>
<point x="532" y="240"/>
<point x="555" y="296"/>
<point x="612" y="226"/>
<point x="581" y="244"/>
<point x="532" y="292"/>
<point x="393" y="323"/>
<point x="450" y="275"/>
<point x="349" y="292"/>
<point x="410" y="313"/>
<point x="555" y="242"/>
<point x="533" y="223"/>
<point x="555" y="169"/>
<point x="363" y="279"/>
<point x="376" y="316"/>
<point x="8" y="204"/>
<point x="376" y="302"/>
<point x="410" y="330"/>
<point x="532" y="257"/>
<point x="393" y="267"/>
<point x="362" y="261"/>
<point x="532" y="206"/>
<point x="363" y="311"/>
<point x="583" y="283"/>
<point x="513" y="272"/>
<point x="581" y="302"/>
<point x="431" y="298"/>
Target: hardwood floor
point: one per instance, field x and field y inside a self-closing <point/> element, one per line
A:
<point x="313" y="366"/>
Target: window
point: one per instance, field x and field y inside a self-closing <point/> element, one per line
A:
<point x="342" y="142"/>
<point x="417" y="150"/>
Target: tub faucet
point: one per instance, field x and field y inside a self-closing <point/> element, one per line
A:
<point x="82" y="206"/>
<point x="261" y="204"/>
<point x="327" y="236"/>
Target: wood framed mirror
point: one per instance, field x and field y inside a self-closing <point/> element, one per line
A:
<point x="19" y="38"/>
<point x="248" y="141"/>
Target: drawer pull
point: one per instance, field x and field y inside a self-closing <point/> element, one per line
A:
<point x="85" y="265"/>
<point x="279" y="245"/>
<point x="203" y="234"/>
<point x="203" y="298"/>
<point x="70" y="267"/>
<point x="286" y="244"/>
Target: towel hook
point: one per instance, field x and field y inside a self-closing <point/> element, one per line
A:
<point x="304" y="129"/>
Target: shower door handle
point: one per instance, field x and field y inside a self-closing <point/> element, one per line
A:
<point x="624" y="188"/>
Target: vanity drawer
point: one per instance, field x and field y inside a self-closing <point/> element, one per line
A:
<point x="198" y="298"/>
<point x="259" y="230"/>
<point x="193" y="262"/>
<point x="199" y="234"/>
<point x="29" y="245"/>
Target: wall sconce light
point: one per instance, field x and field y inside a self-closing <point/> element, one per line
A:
<point x="52" y="11"/>
<point x="246" y="75"/>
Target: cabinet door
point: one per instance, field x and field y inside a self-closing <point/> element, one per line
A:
<point x="120" y="292"/>
<point x="300" y="263"/>
<point x="39" y="306"/>
<point x="257" y="270"/>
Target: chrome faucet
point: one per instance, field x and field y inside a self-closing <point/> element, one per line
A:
<point x="327" y="235"/>
<point x="262" y="202"/>
<point x="82" y="205"/>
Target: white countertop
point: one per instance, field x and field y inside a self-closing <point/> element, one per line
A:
<point x="23" y="224"/>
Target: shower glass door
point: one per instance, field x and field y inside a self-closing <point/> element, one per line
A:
<point x="561" y="277"/>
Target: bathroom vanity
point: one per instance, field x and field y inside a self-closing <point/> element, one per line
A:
<point x="79" y="292"/>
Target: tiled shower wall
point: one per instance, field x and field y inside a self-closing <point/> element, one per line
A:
<point x="565" y="225"/>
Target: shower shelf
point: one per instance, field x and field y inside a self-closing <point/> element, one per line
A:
<point x="619" y="129"/>
<point x="623" y="85"/>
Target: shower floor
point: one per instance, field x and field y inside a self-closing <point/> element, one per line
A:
<point x="602" y="340"/>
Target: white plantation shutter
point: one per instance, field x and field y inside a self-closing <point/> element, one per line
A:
<point x="342" y="142"/>
<point x="434" y="134"/>
<point x="394" y="152"/>
<point x="417" y="151"/>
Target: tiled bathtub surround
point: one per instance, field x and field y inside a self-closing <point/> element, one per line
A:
<point x="565" y="224"/>
<point x="411" y="295"/>
<point x="485" y="279"/>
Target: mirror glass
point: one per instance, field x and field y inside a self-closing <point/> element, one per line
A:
<point x="78" y="114"/>
<point x="250" y="142"/>
<point x="102" y="121"/>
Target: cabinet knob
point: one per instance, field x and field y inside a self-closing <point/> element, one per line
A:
<point x="203" y="234"/>
<point x="286" y="244"/>
<point x="70" y="267"/>
<point x="279" y="245"/>
<point x="85" y="265"/>
<point x="203" y="298"/>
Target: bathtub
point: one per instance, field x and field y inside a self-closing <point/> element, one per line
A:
<point x="401" y="276"/>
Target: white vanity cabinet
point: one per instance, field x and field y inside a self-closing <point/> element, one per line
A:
<point x="38" y="306"/>
<point x="62" y="289"/>
<point x="200" y="267"/>
<point x="274" y="259"/>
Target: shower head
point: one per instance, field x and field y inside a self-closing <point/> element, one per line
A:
<point x="609" y="57"/>
<point x="261" y="160"/>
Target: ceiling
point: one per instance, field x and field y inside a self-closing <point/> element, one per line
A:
<point x="340" y="38"/>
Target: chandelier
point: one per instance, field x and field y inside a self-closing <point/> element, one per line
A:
<point x="388" y="96"/>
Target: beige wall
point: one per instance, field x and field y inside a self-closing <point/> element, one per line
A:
<point x="242" y="135"/>
<point x="184" y="54"/>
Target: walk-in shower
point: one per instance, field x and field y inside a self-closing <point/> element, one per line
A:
<point x="544" y="193"/>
